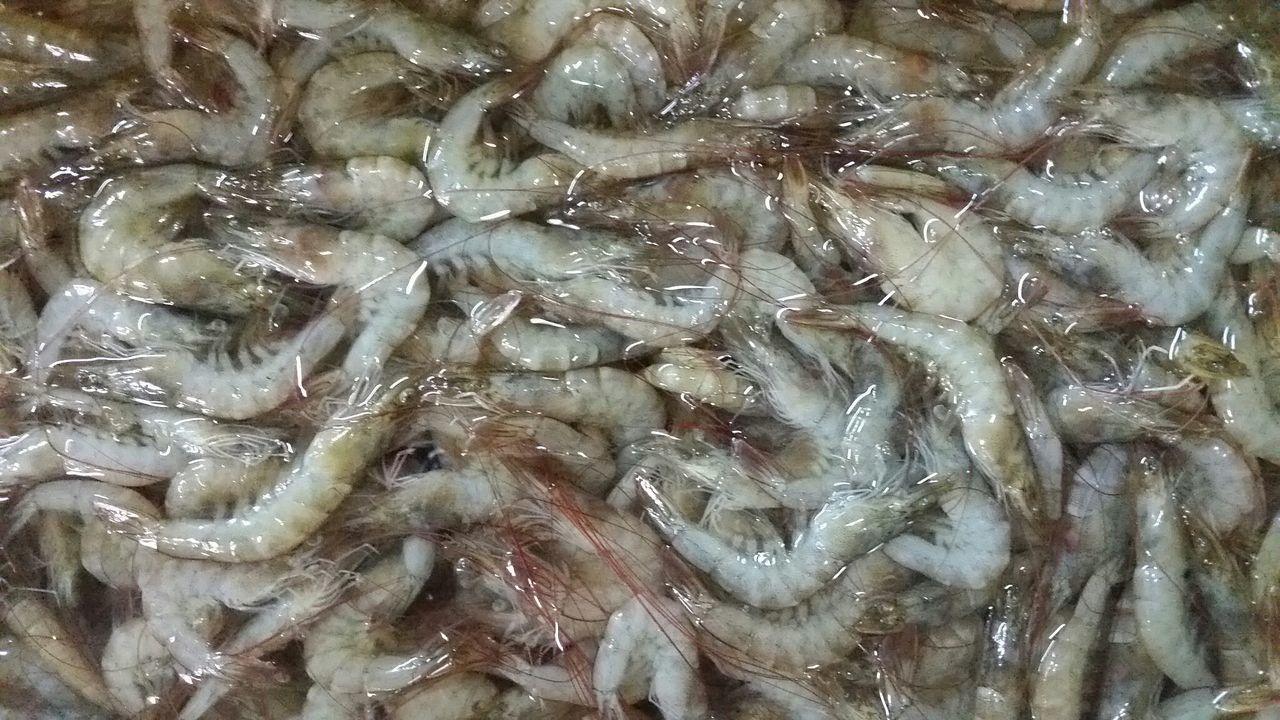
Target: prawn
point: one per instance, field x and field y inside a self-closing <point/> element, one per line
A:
<point x="1156" y="41"/>
<point x="386" y="277"/>
<point x="1130" y="681"/>
<point x="1159" y="582"/>
<point x="1097" y="518"/>
<point x="704" y="376"/>
<point x="475" y="186"/>
<point x="974" y="380"/>
<point x="1242" y="402"/>
<point x="968" y="36"/>
<point x="649" y="641"/>
<point x="970" y="549"/>
<point x="313" y="485"/>
<point x="876" y="70"/>
<point x="1059" y="681"/>
<point x="531" y="29"/>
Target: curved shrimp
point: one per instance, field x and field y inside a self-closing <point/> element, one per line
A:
<point x="1156" y="41"/>
<point x="339" y="122"/>
<point x="1159" y="582"/>
<point x="1065" y="205"/>
<point x="704" y="376"/>
<point x="127" y="242"/>
<point x="243" y="135"/>
<point x="1059" y="681"/>
<point x="531" y="29"/>
<point x="1242" y="403"/>
<point x="1172" y="280"/>
<point x="387" y="278"/>
<point x="379" y="195"/>
<point x="1098" y="520"/>
<point x="968" y="37"/>
<point x="970" y="549"/>
<point x="975" y="383"/>
<point x="474" y="185"/>
<point x="77" y="122"/>
<point x="136" y="667"/>
<point x="875" y="69"/>
<point x="649" y="642"/>
<point x="314" y="485"/>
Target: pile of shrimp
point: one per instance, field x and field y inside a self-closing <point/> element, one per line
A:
<point x="680" y="359"/>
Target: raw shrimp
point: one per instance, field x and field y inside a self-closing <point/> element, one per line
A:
<point x="850" y="524"/>
<point x="1206" y="154"/>
<point x="1130" y="681"/>
<point x="1155" y="42"/>
<point x="1014" y="118"/>
<point x="584" y="80"/>
<point x="128" y="241"/>
<point x="705" y="376"/>
<point x="917" y="247"/>
<point x="648" y="642"/>
<point x="1097" y="517"/>
<point x="1094" y="414"/>
<point x="27" y="137"/>
<point x="1237" y="646"/>
<point x="52" y="648"/>
<point x="242" y="135"/>
<point x="18" y="321"/>
<point x="874" y="69"/>
<point x="387" y="278"/>
<point x="341" y="650"/>
<point x="136" y="667"/>
<point x="1043" y="439"/>
<point x="970" y="548"/>
<point x="1242" y="403"/>
<point x="968" y="36"/>
<point x="1160" y="582"/>
<point x="302" y="498"/>
<point x="1058" y="687"/>
<point x="378" y="195"/>
<point x="1172" y="280"/>
<point x="338" y="122"/>
<point x="1065" y="205"/>
<point x="974" y="380"/>
<point x="1222" y="484"/>
<point x="820" y="630"/>
<point x="545" y="345"/>
<point x="39" y="41"/>
<point x="414" y="36"/>
<point x="774" y="103"/>
<point x="531" y="29"/>
<point x="218" y="487"/>
<point x="474" y="185"/>
<point x="754" y="57"/>
<point x="633" y="155"/>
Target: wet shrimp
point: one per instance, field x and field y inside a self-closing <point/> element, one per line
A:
<point x="975" y="383"/>
<point x="879" y="70"/>
<point x="338" y="121"/>
<point x="1155" y="42"/>
<point x="300" y="500"/>
<point x="1058" y="686"/>
<point x="241" y="135"/>
<point x="1097" y="517"/>
<point x="649" y="642"/>
<point x="704" y="376"/>
<point x="969" y="36"/>
<point x="379" y="195"/>
<point x="387" y="278"/>
<point x="1064" y="204"/>
<point x="774" y="103"/>
<point x="531" y="29"/>
<point x="474" y="185"/>
<point x="612" y="68"/>
<point x="1242" y="402"/>
<point x="1160" y="582"/>
<point x="129" y="241"/>
<point x="1000" y="692"/>
<point x="969" y="549"/>
<point x="71" y="123"/>
<point x="1172" y="280"/>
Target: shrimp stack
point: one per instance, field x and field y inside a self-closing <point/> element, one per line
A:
<point x="691" y="359"/>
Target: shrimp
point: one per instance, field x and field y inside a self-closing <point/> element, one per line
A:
<point x="1222" y="484"/>
<point x="1208" y="155"/>
<point x="531" y="29"/>
<point x="1154" y="42"/>
<point x="755" y="56"/>
<point x="218" y="487"/>
<point x="819" y="631"/>
<point x="1001" y="688"/>
<point x="969" y="36"/>
<point x="544" y="345"/>
<point x="44" y="633"/>
<point x="849" y="525"/>
<point x="339" y="122"/>
<point x="378" y="195"/>
<point x="314" y="484"/>
<point x="1098" y="520"/>
<point x="915" y="245"/>
<point x="582" y="80"/>
<point x="341" y="650"/>
<point x="58" y="538"/>
<point x="1240" y="651"/>
<point x="27" y="137"/>
<point x="243" y="135"/>
<point x="1043" y="439"/>
<point x="1159" y="590"/>
<point x="420" y="40"/>
<point x="1242" y="402"/>
<point x="1013" y="119"/>
<point x="774" y="103"/>
<point x="1172" y="280"/>
<point x="975" y="383"/>
<point x="1130" y="681"/>
<point x="704" y="376"/>
<point x="1065" y="204"/>
<point x="136" y="667"/>
<point x="876" y="70"/>
<point x="970" y="549"/>
<point x="1059" y="681"/>
<point x="386" y="277"/>
<point x="37" y="40"/>
<point x="649" y="642"/>
<point x="633" y="155"/>
<point x="475" y="186"/>
<point x="127" y="242"/>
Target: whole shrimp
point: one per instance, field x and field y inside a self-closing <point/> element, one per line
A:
<point x="1130" y="681"/>
<point x="1059" y="680"/>
<point x="531" y="29"/>
<point x="77" y="122"/>
<point x="975" y="383"/>
<point x="1098" y="520"/>
<point x="1156" y="41"/>
<point x="875" y="69"/>
<point x="1172" y="280"/>
<point x="1242" y="402"/>
<point x="966" y="36"/>
<point x="379" y="195"/>
<point x="242" y="135"/>
<point x="128" y="241"/>
<point x="474" y="185"/>
<point x="1160" y="582"/>
<point x="387" y="278"/>
<point x="611" y="68"/>
<point x="649" y="642"/>
<point x="314" y="484"/>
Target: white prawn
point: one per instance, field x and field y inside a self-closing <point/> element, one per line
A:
<point x="1058" y="685"/>
<point x="649" y="642"/>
